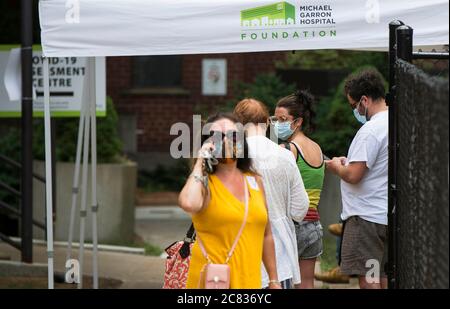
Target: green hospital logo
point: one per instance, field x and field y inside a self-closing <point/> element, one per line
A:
<point x="284" y="20"/>
<point x="278" y="14"/>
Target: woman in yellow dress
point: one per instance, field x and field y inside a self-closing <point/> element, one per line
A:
<point x="217" y="208"/>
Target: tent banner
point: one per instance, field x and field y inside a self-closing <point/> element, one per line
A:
<point x="163" y="27"/>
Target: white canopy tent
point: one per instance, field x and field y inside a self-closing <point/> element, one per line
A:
<point x="91" y="28"/>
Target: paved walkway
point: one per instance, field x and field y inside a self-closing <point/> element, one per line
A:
<point x="134" y="270"/>
<point x="161" y="232"/>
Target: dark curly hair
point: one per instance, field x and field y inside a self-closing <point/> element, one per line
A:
<point x="367" y="82"/>
<point x="300" y="105"/>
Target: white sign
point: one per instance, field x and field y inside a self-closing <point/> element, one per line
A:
<point x="214" y="77"/>
<point x="66" y="86"/>
<point x="13" y="83"/>
<point x="163" y="27"/>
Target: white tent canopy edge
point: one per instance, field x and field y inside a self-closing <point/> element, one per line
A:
<point x="163" y="27"/>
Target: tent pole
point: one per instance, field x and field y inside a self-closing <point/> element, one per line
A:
<point x="26" y="224"/>
<point x="94" y="205"/>
<point x="48" y="174"/>
<point x="84" y="186"/>
<point x="76" y="177"/>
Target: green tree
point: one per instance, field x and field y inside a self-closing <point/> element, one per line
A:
<point x="267" y="88"/>
<point x="333" y="59"/>
<point x="336" y="125"/>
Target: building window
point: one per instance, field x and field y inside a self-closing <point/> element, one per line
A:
<point x="157" y="71"/>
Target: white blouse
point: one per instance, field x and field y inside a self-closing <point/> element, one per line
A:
<point x="286" y="198"/>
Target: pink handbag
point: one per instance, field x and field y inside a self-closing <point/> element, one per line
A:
<point x="217" y="276"/>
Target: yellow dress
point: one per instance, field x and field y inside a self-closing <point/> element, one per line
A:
<point x="218" y="225"/>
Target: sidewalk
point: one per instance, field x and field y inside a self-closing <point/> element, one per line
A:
<point x="158" y="228"/>
<point x="135" y="271"/>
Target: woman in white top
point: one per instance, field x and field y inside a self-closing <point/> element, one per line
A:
<point x="286" y="196"/>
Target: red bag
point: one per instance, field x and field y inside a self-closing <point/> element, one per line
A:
<point x="177" y="262"/>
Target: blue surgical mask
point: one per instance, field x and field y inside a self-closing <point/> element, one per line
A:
<point x="283" y="130"/>
<point x="362" y="119"/>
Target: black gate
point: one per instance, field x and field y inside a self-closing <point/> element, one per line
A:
<point x="418" y="168"/>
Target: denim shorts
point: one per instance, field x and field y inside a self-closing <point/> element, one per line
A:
<point x="309" y="239"/>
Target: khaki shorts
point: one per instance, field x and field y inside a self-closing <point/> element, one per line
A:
<point x="364" y="248"/>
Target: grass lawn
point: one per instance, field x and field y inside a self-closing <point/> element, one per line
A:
<point x="138" y="242"/>
<point x="328" y="258"/>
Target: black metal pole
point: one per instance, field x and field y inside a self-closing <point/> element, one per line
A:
<point x="405" y="43"/>
<point x="27" y="130"/>
<point x="392" y="181"/>
<point x="393" y="25"/>
<point x="404" y="47"/>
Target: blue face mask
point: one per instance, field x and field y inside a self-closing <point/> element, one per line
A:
<point x="362" y="119"/>
<point x="283" y="130"/>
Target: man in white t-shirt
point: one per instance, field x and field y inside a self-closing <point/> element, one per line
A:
<point x="364" y="182"/>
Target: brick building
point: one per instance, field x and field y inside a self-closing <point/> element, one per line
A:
<point x="152" y="93"/>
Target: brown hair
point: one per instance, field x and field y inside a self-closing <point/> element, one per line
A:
<point x="299" y="105"/>
<point x="367" y="82"/>
<point x="250" y="110"/>
<point x="244" y="164"/>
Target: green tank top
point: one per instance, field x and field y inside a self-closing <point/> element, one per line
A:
<point x="312" y="177"/>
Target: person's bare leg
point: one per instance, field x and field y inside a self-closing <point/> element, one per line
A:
<point x="363" y="284"/>
<point x="307" y="273"/>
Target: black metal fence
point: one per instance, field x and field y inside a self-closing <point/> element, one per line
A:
<point x="419" y="169"/>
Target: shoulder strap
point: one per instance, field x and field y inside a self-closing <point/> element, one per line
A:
<point x="230" y="253"/>
<point x="296" y="148"/>
<point x="185" y="249"/>
<point x="243" y="222"/>
<point x="190" y="232"/>
<point x="286" y="145"/>
<point x="299" y="151"/>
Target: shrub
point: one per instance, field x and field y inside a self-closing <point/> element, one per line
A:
<point x="267" y="88"/>
<point x="335" y="60"/>
<point x="109" y="146"/>
<point x="165" y="178"/>
<point x="336" y="125"/>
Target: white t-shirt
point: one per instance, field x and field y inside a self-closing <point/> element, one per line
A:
<point x="368" y="199"/>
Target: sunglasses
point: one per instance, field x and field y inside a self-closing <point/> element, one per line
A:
<point x="231" y="135"/>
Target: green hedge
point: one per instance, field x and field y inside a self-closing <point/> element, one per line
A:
<point x="109" y="147"/>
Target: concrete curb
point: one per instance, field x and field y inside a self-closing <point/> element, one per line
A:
<point x="19" y="269"/>
<point x="160" y="212"/>
<point x="75" y="245"/>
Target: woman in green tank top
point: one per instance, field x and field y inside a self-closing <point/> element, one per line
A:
<point x="292" y="114"/>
